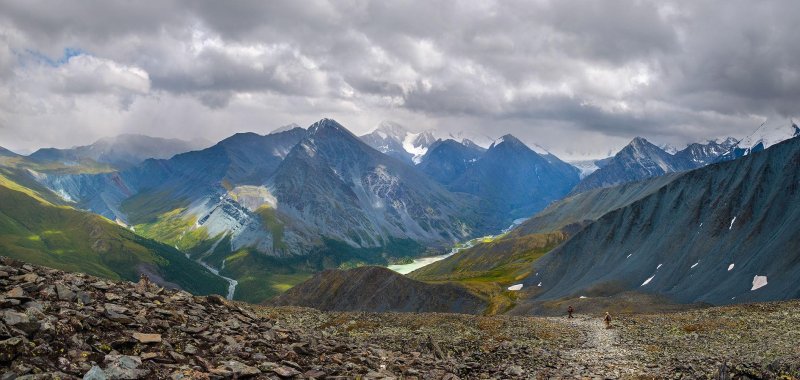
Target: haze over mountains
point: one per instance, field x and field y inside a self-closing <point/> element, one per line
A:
<point x="121" y="152"/>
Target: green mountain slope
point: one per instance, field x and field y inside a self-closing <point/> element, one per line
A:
<point x="38" y="231"/>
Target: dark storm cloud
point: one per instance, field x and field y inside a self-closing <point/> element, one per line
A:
<point x="680" y="71"/>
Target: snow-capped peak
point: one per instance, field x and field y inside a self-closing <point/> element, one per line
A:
<point x="768" y="135"/>
<point x="765" y="136"/>
<point x="390" y="137"/>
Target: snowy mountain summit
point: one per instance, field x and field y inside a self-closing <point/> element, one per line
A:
<point x="397" y="141"/>
<point x="765" y="136"/>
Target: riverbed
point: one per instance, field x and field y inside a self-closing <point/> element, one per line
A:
<point x="231" y="282"/>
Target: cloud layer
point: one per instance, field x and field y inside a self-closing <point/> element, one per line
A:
<point x="578" y="77"/>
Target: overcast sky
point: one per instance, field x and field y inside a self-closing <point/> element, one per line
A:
<point x="577" y="77"/>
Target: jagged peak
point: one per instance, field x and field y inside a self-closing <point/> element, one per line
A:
<point x="327" y="125"/>
<point x="639" y="140"/>
<point x="641" y="143"/>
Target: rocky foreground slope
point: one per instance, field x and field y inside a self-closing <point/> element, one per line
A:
<point x="62" y="325"/>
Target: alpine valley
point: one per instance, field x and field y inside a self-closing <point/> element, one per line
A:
<point x="269" y="211"/>
<point x="303" y="220"/>
<point x="264" y="213"/>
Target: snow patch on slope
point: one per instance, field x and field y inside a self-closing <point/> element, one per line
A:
<point x="759" y="282"/>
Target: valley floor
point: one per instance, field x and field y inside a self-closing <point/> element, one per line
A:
<point x="55" y="324"/>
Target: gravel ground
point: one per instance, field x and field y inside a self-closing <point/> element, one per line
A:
<point x="58" y="325"/>
<point x="759" y="341"/>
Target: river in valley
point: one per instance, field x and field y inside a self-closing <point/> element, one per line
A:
<point x="231" y="282"/>
<point x="423" y="261"/>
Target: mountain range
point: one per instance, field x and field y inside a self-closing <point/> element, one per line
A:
<point x="321" y="194"/>
<point x="269" y="211"/>
<point x="719" y="234"/>
<point x="641" y="159"/>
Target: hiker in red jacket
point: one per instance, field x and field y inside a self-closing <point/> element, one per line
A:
<point x="570" y="310"/>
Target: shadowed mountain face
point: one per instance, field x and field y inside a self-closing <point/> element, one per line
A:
<point x="446" y="161"/>
<point x="348" y="191"/>
<point x="377" y="289"/>
<point x="637" y="161"/>
<point x="721" y="234"/>
<point x="588" y="206"/>
<point x="121" y="151"/>
<point x="514" y="181"/>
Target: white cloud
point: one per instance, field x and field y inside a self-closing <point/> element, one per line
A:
<point x="575" y="77"/>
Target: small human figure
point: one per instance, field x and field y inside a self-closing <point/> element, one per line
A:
<point x="570" y="310"/>
<point x="607" y="320"/>
<point x="144" y="283"/>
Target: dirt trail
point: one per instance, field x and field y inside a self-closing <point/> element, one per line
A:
<point x="599" y="354"/>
